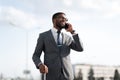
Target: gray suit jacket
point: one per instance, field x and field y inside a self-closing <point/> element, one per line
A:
<point x="56" y="58"/>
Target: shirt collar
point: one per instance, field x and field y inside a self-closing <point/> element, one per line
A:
<point x="54" y="29"/>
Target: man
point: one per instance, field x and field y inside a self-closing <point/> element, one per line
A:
<point x="56" y="46"/>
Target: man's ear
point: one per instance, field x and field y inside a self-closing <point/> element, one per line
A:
<point x="54" y="20"/>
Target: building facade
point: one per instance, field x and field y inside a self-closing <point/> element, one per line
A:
<point x="101" y="72"/>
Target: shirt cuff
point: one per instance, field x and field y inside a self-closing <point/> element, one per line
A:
<point x="39" y="64"/>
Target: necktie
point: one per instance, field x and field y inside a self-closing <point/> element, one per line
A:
<point x="58" y="37"/>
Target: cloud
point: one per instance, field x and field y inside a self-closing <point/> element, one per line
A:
<point x="19" y="18"/>
<point x="78" y="10"/>
<point x="105" y="7"/>
<point x="97" y="8"/>
<point x="68" y="2"/>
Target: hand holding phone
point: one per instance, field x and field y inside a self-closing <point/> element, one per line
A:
<point x="68" y="27"/>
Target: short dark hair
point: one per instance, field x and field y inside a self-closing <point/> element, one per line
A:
<point x="56" y="14"/>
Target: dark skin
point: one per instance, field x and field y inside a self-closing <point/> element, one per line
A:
<point x="58" y="23"/>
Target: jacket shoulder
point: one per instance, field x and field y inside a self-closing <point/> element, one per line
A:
<point x="44" y="33"/>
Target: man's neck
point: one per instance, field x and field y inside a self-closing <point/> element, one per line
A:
<point x="56" y="27"/>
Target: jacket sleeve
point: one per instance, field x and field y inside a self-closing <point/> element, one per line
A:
<point x="76" y="43"/>
<point x="38" y="51"/>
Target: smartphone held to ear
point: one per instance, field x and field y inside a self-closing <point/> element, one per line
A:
<point x="66" y="26"/>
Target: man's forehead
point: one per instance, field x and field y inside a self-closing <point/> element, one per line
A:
<point x="62" y="15"/>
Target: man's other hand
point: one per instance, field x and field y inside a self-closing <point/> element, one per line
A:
<point x="43" y="68"/>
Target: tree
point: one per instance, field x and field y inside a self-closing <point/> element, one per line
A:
<point x="80" y="76"/>
<point x="116" y="75"/>
<point x="91" y="74"/>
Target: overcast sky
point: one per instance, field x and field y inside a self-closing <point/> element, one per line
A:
<point x="96" y="21"/>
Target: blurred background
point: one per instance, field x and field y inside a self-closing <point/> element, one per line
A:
<point x="96" y="21"/>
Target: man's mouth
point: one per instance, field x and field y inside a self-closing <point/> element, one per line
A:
<point x="62" y="23"/>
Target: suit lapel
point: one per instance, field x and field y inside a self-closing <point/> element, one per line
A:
<point x="52" y="40"/>
<point x="50" y="35"/>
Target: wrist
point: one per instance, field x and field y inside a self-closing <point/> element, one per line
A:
<point x="39" y="65"/>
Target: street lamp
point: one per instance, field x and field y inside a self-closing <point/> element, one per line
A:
<point x="26" y="71"/>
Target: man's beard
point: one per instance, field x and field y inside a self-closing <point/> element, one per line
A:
<point x="60" y="26"/>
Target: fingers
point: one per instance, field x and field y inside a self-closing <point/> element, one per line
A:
<point x="43" y="68"/>
<point x="69" y="29"/>
<point x="46" y="69"/>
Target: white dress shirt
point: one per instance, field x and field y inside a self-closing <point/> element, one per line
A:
<point x="54" y="33"/>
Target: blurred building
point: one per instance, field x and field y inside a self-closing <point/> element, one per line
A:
<point x="101" y="72"/>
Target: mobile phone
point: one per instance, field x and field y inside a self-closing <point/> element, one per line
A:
<point x="66" y="26"/>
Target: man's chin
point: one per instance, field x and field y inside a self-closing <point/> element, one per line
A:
<point x="61" y="26"/>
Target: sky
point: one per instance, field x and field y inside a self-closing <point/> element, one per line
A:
<point x="21" y="21"/>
